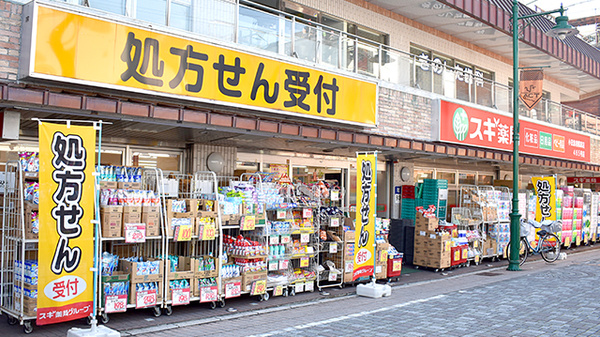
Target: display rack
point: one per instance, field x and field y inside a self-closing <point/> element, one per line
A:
<point x="582" y="214"/>
<point x="472" y="200"/>
<point x="245" y="239"/>
<point x="330" y="218"/>
<point x="19" y="244"/>
<point x="594" y="217"/>
<point x="503" y="199"/>
<point x="489" y="229"/>
<point x="193" y="242"/>
<point x="122" y="236"/>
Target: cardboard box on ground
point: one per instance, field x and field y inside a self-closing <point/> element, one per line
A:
<point x="431" y="249"/>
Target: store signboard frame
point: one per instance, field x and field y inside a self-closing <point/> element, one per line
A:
<point x="463" y="123"/>
<point x="184" y="67"/>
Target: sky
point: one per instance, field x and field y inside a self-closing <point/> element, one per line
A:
<point x="576" y="9"/>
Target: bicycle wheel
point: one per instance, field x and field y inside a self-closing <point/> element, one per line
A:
<point x="523" y="251"/>
<point x="550" y="247"/>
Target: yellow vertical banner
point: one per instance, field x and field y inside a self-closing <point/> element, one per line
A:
<point x="66" y="244"/>
<point x="366" y="192"/>
<point x="545" y="190"/>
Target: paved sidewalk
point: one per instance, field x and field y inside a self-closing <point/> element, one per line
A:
<point x="246" y="306"/>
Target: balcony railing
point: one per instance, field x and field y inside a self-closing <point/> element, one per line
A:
<point x="273" y="31"/>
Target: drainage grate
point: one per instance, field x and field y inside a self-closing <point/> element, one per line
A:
<point x="489" y="273"/>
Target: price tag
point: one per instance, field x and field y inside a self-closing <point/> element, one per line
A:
<point x="145" y="299"/>
<point x="307" y="213"/>
<point x="283" y="264"/>
<point x="309" y="286"/>
<point x="303" y="262"/>
<point x="309" y="250"/>
<point x="233" y="289"/>
<point x="332" y="277"/>
<point x="304" y="237"/>
<point x="281" y="214"/>
<point x="278" y="291"/>
<point x="135" y="232"/>
<point x="286" y="238"/>
<point x="333" y="248"/>
<point x="349" y="265"/>
<point x="180" y="296"/>
<point x="209" y="294"/>
<point x="274" y="239"/>
<point x="183" y="233"/>
<point x="209" y="232"/>
<point x="273" y="265"/>
<point x="465" y="254"/>
<point x="258" y="287"/>
<point x="397" y="265"/>
<point x="334" y="222"/>
<point x="248" y="223"/>
<point x="115" y="303"/>
<point x="299" y="287"/>
<point x="335" y="195"/>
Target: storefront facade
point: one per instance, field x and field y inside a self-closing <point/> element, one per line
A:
<point x="171" y="108"/>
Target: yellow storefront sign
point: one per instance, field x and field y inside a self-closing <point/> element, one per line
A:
<point x="66" y="245"/>
<point x="81" y="49"/>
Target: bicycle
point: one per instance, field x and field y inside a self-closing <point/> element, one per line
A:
<point x="548" y="245"/>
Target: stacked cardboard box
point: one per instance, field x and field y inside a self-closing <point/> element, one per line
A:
<point x="29" y="304"/>
<point x="381" y="257"/>
<point x="432" y="249"/>
<point x="112" y="221"/>
<point x="490" y="247"/>
<point x="249" y="278"/>
<point x="31" y="229"/>
<point x="151" y="217"/>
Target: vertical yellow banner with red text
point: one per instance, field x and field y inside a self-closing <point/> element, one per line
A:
<point x="545" y="191"/>
<point x="366" y="193"/>
<point x="66" y="245"/>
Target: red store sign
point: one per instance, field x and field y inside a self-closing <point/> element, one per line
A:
<point x="587" y="180"/>
<point x="471" y="126"/>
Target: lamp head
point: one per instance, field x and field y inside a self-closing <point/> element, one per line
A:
<point x="562" y="29"/>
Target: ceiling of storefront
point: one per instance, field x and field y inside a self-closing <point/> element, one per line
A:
<point x="448" y="20"/>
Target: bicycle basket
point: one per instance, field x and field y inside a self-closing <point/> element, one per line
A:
<point x="525" y="228"/>
<point x="554" y="227"/>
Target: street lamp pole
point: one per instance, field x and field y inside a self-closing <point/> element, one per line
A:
<point x="561" y="31"/>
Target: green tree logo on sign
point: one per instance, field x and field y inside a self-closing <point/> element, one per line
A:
<point x="460" y="124"/>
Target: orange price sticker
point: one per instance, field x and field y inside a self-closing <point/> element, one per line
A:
<point x="258" y="287"/>
<point x="278" y="291"/>
<point x="248" y="223"/>
<point x="209" y="231"/>
<point x="183" y="233"/>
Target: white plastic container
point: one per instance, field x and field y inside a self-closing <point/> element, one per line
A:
<point x="373" y="290"/>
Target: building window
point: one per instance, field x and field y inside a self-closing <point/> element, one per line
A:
<point x="456" y="79"/>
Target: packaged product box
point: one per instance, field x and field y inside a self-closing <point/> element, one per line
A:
<point x="117" y="276"/>
<point x="349" y="250"/>
<point x="108" y="185"/>
<point x="129" y="185"/>
<point x="31" y="230"/>
<point x="132" y="214"/>
<point x="381" y="271"/>
<point x="111" y="221"/>
<point x="29" y="305"/>
<point x="133" y="291"/>
<point x="231" y="284"/>
<point x="142" y="271"/>
<point x="349" y="236"/>
<point x="152" y="221"/>
<point x="199" y="267"/>
<point x="426" y="224"/>
<point x="185" y="268"/>
<point x="197" y="285"/>
<point x="249" y="278"/>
